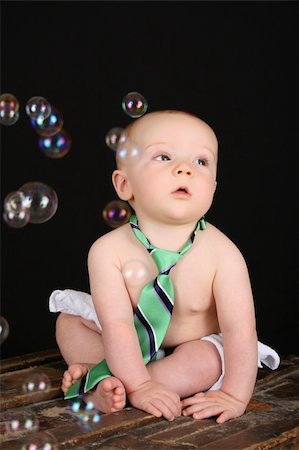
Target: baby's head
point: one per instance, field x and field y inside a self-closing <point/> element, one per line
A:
<point x="166" y="122"/>
<point x="175" y="150"/>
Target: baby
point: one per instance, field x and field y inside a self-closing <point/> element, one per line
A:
<point x="211" y="346"/>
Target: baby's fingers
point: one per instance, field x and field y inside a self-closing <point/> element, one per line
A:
<point x="192" y="400"/>
<point x="173" y="405"/>
<point x="163" y="409"/>
<point x="197" y="407"/>
<point x="226" y="415"/>
<point x="208" y="412"/>
<point x="152" y="409"/>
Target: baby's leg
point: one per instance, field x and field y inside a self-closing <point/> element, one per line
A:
<point x="193" y="367"/>
<point x="80" y="344"/>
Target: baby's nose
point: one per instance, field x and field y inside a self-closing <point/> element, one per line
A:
<point x="184" y="169"/>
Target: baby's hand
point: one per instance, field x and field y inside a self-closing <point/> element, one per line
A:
<point x="156" y="399"/>
<point x="213" y="403"/>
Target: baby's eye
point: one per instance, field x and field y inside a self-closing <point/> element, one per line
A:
<point x="200" y="162"/>
<point x="162" y="158"/>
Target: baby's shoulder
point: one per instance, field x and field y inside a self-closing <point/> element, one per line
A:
<point x="112" y="242"/>
<point x="219" y="242"/>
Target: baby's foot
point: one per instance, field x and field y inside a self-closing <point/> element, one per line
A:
<point x="109" y="395"/>
<point x="74" y="373"/>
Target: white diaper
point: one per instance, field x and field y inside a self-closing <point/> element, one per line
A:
<point x="266" y="356"/>
<point x="80" y="303"/>
<point x="74" y="302"/>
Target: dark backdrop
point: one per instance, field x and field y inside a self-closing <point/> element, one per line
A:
<point x="231" y="63"/>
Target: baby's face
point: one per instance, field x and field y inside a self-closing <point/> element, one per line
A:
<point x="181" y="134"/>
<point x="175" y="170"/>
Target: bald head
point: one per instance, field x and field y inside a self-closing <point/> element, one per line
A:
<point x="154" y="116"/>
<point x="160" y="125"/>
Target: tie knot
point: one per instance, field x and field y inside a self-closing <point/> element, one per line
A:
<point x="164" y="259"/>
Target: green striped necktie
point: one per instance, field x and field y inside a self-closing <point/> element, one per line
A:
<point x="153" y="311"/>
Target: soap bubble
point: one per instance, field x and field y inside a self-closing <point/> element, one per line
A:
<point x="9" y="109"/>
<point x="135" y="273"/>
<point x="85" y="412"/>
<point x="117" y="213"/>
<point x="4" y="329"/>
<point x="127" y="151"/>
<point x="17" y="219"/>
<point x="113" y="137"/>
<point x="41" y="201"/>
<point x="36" y="382"/>
<point x="134" y="104"/>
<point x="39" y="441"/>
<point x="50" y="125"/>
<point x="16" y="215"/>
<point x="12" y="422"/>
<point x="10" y="102"/>
<point x="55" y="146"/>
<point x="14" y="201"/>
<point x="9" y="119"/>
<point x="38" y="107"/>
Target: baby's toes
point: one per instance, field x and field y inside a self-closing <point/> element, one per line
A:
<point x="66" y="377"/>
<point x="117" y="398"/>
<point x="117" y="406"/>
<point x="119" y="391"/>
<point x="66" y="384"/>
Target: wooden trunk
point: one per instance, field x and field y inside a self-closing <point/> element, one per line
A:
<point x="270" y="422"/>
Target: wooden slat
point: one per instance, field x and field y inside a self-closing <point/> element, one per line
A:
<point x="287" y="363"/>
<point x="29" y="360"/>
<point x="57" y="419"/>
<point x="271" y="420"/>
<point x="11" y="383"/>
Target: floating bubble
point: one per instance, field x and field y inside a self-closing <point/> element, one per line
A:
<point x="36" y="382"/>
<point x="14" y="201"/>
<point x="38" y="108"/>
<point x="9" y="109"/>
<point x="50" y="125"/>
<point x="127" y="151"/>
<point x="135" y="273"/>
<point x="134" y="104"/>
<point x="85" y="412"/>
<point x="4" y="329"/>
<point x="41" y="201"/>
<point x="16" y="215"/>
<point x="117" y="213"/>
<point x="11" y="120"/>
<point x="16" y="219"/>
<point x="9" y="101"/>
<point x="39" y="441"/>
<point x="114" y="137"/>
<point x="55" y="146"/>
<point x="12" y="422"/>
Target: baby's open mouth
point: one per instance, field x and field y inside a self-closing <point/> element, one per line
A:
<point x="182" y="190"/>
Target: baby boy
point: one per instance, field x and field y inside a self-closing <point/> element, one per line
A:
<point x="211" y="341"/>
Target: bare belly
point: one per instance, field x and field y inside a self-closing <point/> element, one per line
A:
<point x="190" y="328"/>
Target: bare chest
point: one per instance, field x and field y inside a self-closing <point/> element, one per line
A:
<point x="192" y="278"/>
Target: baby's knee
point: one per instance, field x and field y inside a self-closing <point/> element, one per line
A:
<point x="64" y="321"/>
<point x="205" y="353"/>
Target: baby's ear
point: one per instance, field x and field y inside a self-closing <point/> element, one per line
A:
<point x="122" y="185"/>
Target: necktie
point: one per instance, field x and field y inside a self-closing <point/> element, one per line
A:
<point x="153" y="311"/>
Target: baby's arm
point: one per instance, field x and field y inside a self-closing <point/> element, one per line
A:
<point x="122" y="350"/>
<point x="235" y="310"/>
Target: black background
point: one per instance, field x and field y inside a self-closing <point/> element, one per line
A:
<point x="231" y="63"/>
